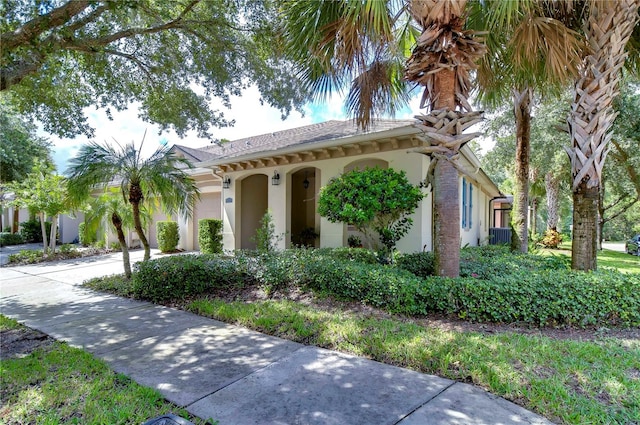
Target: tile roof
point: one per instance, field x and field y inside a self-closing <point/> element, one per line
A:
<point x="310" y="134"/>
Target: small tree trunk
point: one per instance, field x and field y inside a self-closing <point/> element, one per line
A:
<point x="15" y="226"/>
<point x="43" y="227"/>
<point x="117" y="223"/>
<point x="519" y="213"/>
<point x="54" y="232"/>
<point x="585" y="213"/>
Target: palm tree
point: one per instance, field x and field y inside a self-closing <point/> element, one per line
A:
<point x="365" y="42"/>
<point x="533" y="49"/>
<point x="112" y="206"/>
<point x="608" y="28"/>
<point x="162" y="176"/>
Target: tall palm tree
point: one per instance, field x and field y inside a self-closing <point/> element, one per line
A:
<point x="366" y="42"/>
<point x="608" y="28"/>
<point x="162" y="175"/>
<point x="533" y="48"/>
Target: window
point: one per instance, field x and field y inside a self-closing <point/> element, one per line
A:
<point x="467" y="204"/>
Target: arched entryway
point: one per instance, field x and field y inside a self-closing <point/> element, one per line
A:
<point x="305" y="222"/>
<point x="253" y="205"/>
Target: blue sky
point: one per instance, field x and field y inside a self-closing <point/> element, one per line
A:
<point x="251" y="119"/>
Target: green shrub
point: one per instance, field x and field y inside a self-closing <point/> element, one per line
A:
<point x="180" y="276"/>
<point x="358" y="255"/>
<point x="210" y="236"/>
<point x="31" y="230"/>
<point x="85" y="237"/>
<point x="381" y="286"/>
<point x="266" y="238"/>
<point x="27" y="256"/>
<point x="168" y="235"/>
<point x="490" y="261"/>
<point x="546" y="297"/>
<point x="420" y="264"/>
<point x="7" y="238"/>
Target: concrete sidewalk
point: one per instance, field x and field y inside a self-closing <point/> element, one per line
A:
<point x="231" y="374"/>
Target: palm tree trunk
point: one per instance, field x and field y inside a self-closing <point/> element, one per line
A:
<point x="446" y="217"/>
<point x="522" y="110"/>
<point x="138" y="226"/>
<point x="610" y="25"/>
<point x="446" y="193"/>
<point x="585" y="228"/>
<point x="117" y="223"/>
<point x="552" y="186"/>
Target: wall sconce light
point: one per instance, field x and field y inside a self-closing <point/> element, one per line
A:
<point x="226" y="182"/>
<point x="306" y="182"/>
<point x="275" y="180"/>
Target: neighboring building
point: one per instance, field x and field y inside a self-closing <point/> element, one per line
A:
<point x="284" y="171"/>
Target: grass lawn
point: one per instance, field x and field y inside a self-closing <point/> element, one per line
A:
<point x="60" y="384"/>
<point x="623" y="262"/>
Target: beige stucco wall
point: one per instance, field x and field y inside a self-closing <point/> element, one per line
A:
<point x="278" y="199"/>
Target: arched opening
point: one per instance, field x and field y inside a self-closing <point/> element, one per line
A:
<point x="253" y="205"/>
<point x="305" y="222"/>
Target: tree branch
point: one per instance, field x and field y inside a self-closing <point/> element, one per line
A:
<point x="30" y="30"/>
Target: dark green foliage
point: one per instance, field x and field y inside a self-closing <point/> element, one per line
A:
<point x="490" y="261"/>
<point x="498" y="287"/>
<point x="31" y="230"/>
<point x="181" y="276"/>
<point x="420" y="264"/>
<point x="8" y="238"/>
<point x="168" y="235"/>
<point x="547" y="297"/>
<point x="210" y="236"/>
<point x="266" y="238"/>
<point x="358" y="255"/>
<point x="393" y="289"/>
<point x="373" y="199"/>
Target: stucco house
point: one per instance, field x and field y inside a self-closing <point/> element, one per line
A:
<point x="284" y="171"/>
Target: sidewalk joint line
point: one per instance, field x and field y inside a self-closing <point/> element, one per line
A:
<point x="425" y="403"/>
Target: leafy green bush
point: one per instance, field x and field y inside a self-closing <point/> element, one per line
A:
<point x="547" y="297"/>
<point x="85" y="237"/>
<point x="168" y="235"/>
<point x="358" y="255"/>
<point x="266" y="238"/>
<point x="31" y="230"/>
<point x="181" y="276"/>
<point x="210" y="236"/>
<point x="489" y="261"/>
<point x="7" y="238"/>
<point x="27" y="256"/>
<point x="420" y="264"/>
<point x="381" y="286"/>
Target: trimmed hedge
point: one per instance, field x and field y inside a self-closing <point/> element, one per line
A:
<point x="168" y="235"/>
<point x="210" y="236"/>
<point x="8" y="238"/>
<point x="180" y="276"/>
<point x="526" y="289"/>
<point x="547" y="297"/>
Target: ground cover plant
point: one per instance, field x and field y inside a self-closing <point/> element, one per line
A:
<point x="51" y="382"/>
<point x="575" y="361"/>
